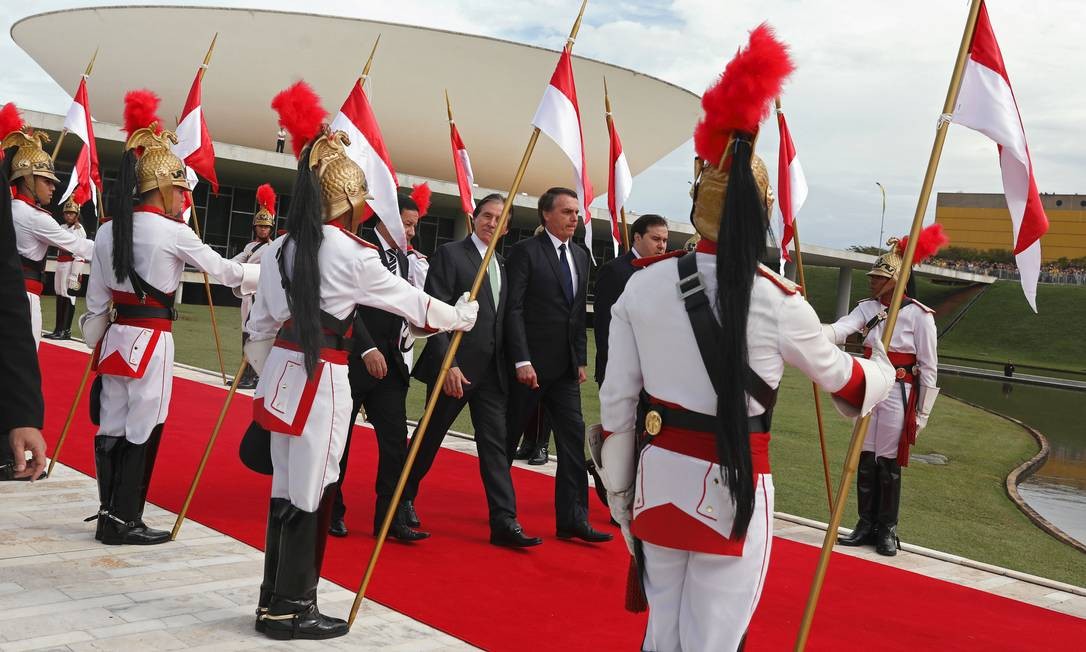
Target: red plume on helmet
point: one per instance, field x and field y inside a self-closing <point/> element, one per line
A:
<point x="740" y="98"/>
<point x="300" y="113"/>
<point x="265" y="196"/>
<point x="10" y="120"/>
<point x="931" y="240"/>
<point x="140" y="110"/>
<point x="420" y="194"/>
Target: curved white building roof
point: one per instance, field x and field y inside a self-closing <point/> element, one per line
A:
<point x="495" y="85"/>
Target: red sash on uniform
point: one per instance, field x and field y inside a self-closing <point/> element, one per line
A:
<point x="907" y="373"/>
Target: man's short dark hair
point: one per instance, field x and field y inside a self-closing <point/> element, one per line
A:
<point x="547" y="199"/>
<point x="642" y="225"/>
<point x="494" y="196"/>
<point x="406" y="203"/>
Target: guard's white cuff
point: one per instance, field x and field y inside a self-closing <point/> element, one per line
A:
<point x="617" y="464"/>
<point x="94" y="327"/>
<point x="879" y="378"/>
<point x="925" y="401"/>
<point x="250" y="275"/>
<point x="256" y="352"/>
<point x="830" y="333"/>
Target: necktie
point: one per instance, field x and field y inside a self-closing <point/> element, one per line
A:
<point x="566" y="275"/>
<point x="495" y="279"/>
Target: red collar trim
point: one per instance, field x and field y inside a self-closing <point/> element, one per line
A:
<point x="15" y="194"/>
<point x="645" y="261"/>
<point x="352" y="236"/>
<point x="147" y="208"/>
<point x="705" y="247"/>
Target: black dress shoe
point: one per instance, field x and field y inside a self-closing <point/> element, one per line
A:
<point x="400" y="532"/>
<point x="886" y="541"/>
<point x="540" y="457"/>
<point x="524" y="452"/>
<point x="512" y="536"/>
<point x="338" y="528"/>
<point x="584" y="532"/>
<point x="409" y="515"/>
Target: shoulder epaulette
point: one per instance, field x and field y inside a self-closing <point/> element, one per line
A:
<point x="358" y="239"/>
<point x="930" y="311"/>
<point x="418" y="254"/>
<point x="786" y="286"/>
<point x="641" y="263"/>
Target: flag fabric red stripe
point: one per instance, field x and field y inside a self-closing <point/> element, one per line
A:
<point x="986" y="103"/>
<point x="464" y="175"/>
<point x="85" y="175"/>
<point x="784" y="185"/>
<point x="201" y="158"/>
<point x="91" y="145"/>
<point x="619" y="182"/>
<point x="357" y="108"/>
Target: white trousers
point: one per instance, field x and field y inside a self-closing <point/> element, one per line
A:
<point x="701" y="602"/>
<point x="887" y="421"/>
<point x="132" y="407"/>
<point x="303" y="465"/>
<point x="35" y="317"/>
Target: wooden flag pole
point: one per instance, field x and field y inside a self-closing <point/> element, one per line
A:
<point x="196" y="230"/>
<point x="814" y="386"/>
<point x="64" y="132"/>
<point x="450" y="354"/>
<point x="207" y="450"/>
<point x="622" y="210"/>
<point x="860" y="431"/>
<point x="448" y="108"/>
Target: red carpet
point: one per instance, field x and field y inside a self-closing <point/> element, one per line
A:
<point x="560" y="596"/>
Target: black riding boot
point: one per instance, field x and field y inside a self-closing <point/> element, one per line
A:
<point x="248" y="378"/>
<point x="124" y="522"/>
<point x="62" y="303"/>
<point x="105" y="471"/>
<point x="886" y="541"/>
<point x="867" y="501"/>
<point x="292" y="612"/>
<point x="69" y="314"/>
<point x="277" y="510"/>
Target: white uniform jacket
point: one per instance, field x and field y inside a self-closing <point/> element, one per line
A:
<point x="351" y="274"/>
<point x="250" y="254"/>
<point x="679" y="500"/>
<point x="35" y="232"/>
<point x="913" y="347"/>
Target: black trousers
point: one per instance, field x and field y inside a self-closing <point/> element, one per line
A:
<point x="561" y="400"/>
<point x="386" y="410"/>
<point x="487" y="403"/>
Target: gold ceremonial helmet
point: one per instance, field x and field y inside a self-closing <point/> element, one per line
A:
<point x="888" y="264"/>
<point x="30" y="159"/>
<point x="264" y="217"/>
<point x="70" y="206"/>
<point x="711" y="185"/>
<point x="343" y="184"/>
<point x="158" y="167"/>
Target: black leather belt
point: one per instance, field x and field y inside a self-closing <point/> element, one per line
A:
<point x="33" y="270"/>
<point x="128" y="311"/>
<point x="328" y="340"/>
<point x="677" y="417"/>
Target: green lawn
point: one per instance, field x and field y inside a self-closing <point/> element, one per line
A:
<point x="960" y="508"/>
<point x="822" y="290"/>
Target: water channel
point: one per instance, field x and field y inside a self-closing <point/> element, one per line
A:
<point x="1057" y="491"/>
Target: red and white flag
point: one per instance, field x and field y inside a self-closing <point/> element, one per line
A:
<point x="194" y="145"/>
<point x="465" y="179"/>
<point x="559" y="118"/>
<point x="791" y="186"/>
<point x="86" y="179"/>
<point x="367" y="149"/>
<point x="986" y="104"/>
<point x="619" y="182"/>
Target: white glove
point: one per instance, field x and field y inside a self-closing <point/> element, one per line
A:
<point x="440" y="316"/>
<point x="256" y="352"/>
<point x="621" y="504"/>
<point x="466" y="313"/>
<point x="921" y="422"/>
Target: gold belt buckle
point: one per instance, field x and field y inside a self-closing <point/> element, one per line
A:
<point x="654" y="422"/>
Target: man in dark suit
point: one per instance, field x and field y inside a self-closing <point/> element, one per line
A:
<point x="379" y="382"/>
<point x="479" y="376"/>
<point x="547" y="342"/>
<point x="649" y="235"/>
<point x="22" y="409"/>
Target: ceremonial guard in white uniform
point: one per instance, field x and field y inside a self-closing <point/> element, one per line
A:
<point x="142" y="252"/>
<point x="697" y="347"/>
<point x="896" y="421"/>
<point x="313" y="277"/>
<point x="263" y="225"/>
<point x="33" y="183"/>
<point x="66" y="277"/>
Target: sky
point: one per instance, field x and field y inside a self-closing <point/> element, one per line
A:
<point x="862" y="106"/>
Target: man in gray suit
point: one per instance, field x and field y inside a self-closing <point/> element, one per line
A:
<point x="479" y="377"/>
